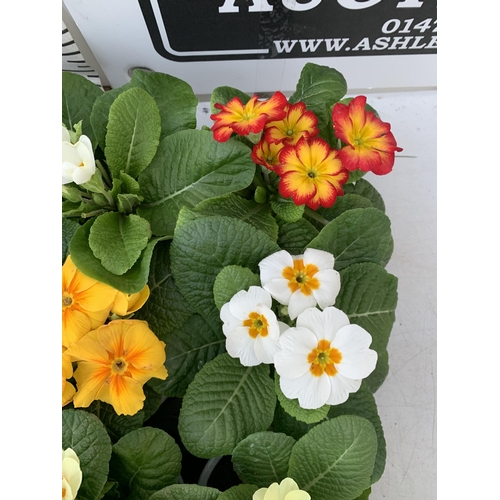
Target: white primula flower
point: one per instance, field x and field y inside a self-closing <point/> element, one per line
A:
<point x="78" y="164"/>
<point x="301" y="281"/>
<point x="71" y="474"/>
<point x="251" y="327"/>
<point x="324" y="358"/>
<point x="288" y="489"/>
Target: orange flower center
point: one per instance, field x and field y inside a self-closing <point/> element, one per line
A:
<point x="67" y="300"/>
<point x="257" y="325"/>
<point x="119" y="366"/>
<point x="301" y="277"/>
<point x="322" y="359"/>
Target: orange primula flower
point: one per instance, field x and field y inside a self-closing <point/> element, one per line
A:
<point x="266" y="154"/>
<point x="86" y="303"/>
<point x="311" y="173"/>
<point x="248" y="118"/>
<point x="370" y="143"/>
<point x="296" y="124"/>
<point x="114" y="362"/>
<point x="128" y="303"/>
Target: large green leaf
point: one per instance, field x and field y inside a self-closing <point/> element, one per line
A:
<point x="190" y="167"/>
<point x="117" y="240"/>
<point x="174" y="97"/>
<point x="86" y="436"/>
<point x="335" y="459"/>
<point x="69" y="228"/>
<point x="133" y="133"/>
<point x="363" y="188"/>
<point x="362" y="403"/>
<point x="188" y="349"/>
<point x="320" y="87"/>
<point x="166" y="309"/>
<point x="201" y="248"/>
<point x="225" y="403"/>
<point x="145" y="461"/>
<point x="239" y="492"/>
<point x="262" y="458"/>
<point x="132" y="281"/>
<point x="257" y="214"/>
<point x="186" y="492"/>
<point x="294" y="237"/>
<point x="78" y="97"/>
<point x="359" y="235"/>
<point x="284" y="422"/>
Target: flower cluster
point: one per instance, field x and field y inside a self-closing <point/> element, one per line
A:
<point x="115" y="356"/>
<point x="323" y="357"/>
<point x="287" y="142"/>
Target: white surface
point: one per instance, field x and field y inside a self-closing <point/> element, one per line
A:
<point x="116" y="34"/>
<point x="407" y="399"/>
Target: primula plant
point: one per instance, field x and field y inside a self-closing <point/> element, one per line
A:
<point x="225" y="305"/>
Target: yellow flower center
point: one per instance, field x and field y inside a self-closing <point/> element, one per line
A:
<point x="119" y="366"/>
<point x="301" y="277"/>
<point x="322" y="359"/>
<point x="67" y="300"/>
<point x="257" y="325"/>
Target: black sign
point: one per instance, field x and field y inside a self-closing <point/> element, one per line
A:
<point x="214" y="30"/>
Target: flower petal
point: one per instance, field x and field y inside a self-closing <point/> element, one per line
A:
<point x="265" y="348"/>
<point x="279" y="289"/>
<point x="240" y="345"/>
<point x="321" y="259"/>
<point x="339" y="389"/>
<point x="272" y="266"/>
<point x="329" y="288"/>
<point x="295" y="345"/>
<point x="299" y="303"/>
<point x="287" y="485"/>
<point x="124" y="394"/>
<point x="311" y="391"/>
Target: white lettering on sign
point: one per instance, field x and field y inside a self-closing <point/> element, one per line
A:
<point x="356" y="5"/>
<point x="300" y="7"/>
<point x="263" y="5"/>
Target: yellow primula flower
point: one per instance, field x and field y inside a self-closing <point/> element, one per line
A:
<point x="288" y="489"/>
<point x="114" y="362"/>
<point x="86" y="303"/>
<point x="68" y="390"/>
<point x="128" y="303"/>
<point x="71" y="474"/>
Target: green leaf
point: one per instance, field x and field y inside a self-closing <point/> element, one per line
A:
<point x="190" y="167"/>
<point x="359" y="235"/>
<point x="284" y="422"/>
<point x="188" y="349"/>
<point x="175" y="99"/>
<point x="365" y="495"/>
<point x="231" y="205"/>
<point x="145" y="461"/>
<point x="110" y="491"/>
<point x="239" y="492"/>
<point x="69" y="228"/>
<point x="117" y="240"/>
<point x="166" y="309"/>
<point x="262" y="458"/>
<point x="87" y="437"/>
<point x="287" y="210"/>
<point x="343" y="204"/>
<point x="363" y="188"/>
<point x="368" y="296"/>
<point x="186" y="492"/>
<point x="355" y="175"/>
<point x="225" y="403"/>
<point x="116" y="425"/>
<point x="362" y="403"/>
<point x="292" y="407"/>
<point x="294" y="237"/>
<point x="224" y="94"/>
<point x="133" y="133"/>
<point x="230" y="281"/>
<point x="201" y="248"/>
<point x="78" y="97"/>
<point x="335" y="458"/>
<point x="126" y="203"/>
<point x="319" y="87"/>
<point x="132" y="281"/>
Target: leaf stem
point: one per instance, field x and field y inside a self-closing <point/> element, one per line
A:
<point x="207" y="470"/>
<point x="92" y="214"/>
<point x="107" y="178"/>
<point x="314" y="215"/>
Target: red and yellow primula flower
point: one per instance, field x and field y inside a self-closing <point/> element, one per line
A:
<point x="297" y="123"/>
<point x="371" y="146"/>
<point x="244" y="119"/>
<point x="311" y="173"/>
<point x="86" y="303"/>
<point x="114" y="362"/>
<point x="266" y="154"/>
